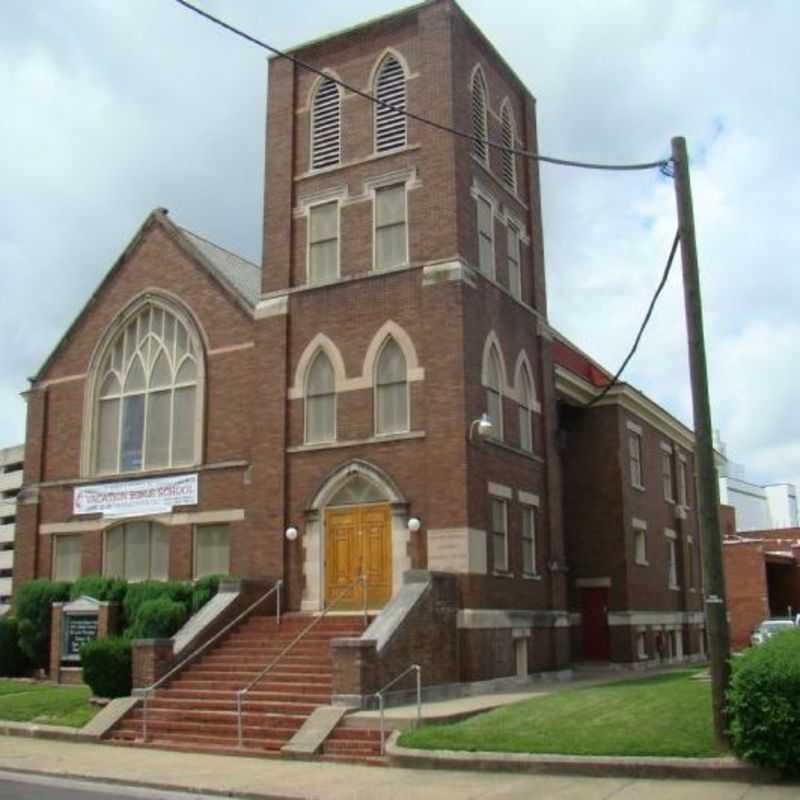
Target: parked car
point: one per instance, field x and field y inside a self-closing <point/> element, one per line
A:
<point x="768" y="628"/>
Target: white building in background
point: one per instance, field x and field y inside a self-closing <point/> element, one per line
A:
<point x="782" y="501"/>
<point x="10" y="483"/>
<point x="758" y="507"/>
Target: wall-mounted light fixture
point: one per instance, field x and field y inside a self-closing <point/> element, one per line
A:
<point x="414" y="524"/>
<point x="484" y="426"/>
<point x="291" y="533"/>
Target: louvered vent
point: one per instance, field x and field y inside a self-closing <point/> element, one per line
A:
<point x="326" y="134"/>
<point x="390" y="126"/>
<point x="479" y="147"/>
<point x="509" y="159"/>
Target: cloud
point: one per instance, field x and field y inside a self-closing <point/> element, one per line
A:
<point x="115" y="108"/>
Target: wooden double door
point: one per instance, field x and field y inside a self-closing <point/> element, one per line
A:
<point x="358" y="540"/>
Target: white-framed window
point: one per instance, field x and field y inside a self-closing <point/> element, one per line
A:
<point x="147" y="401"/>
<point x="529" y="540"/>
<point x="672" y="564"/>
<point x="641" y="645"/>
<point x="320" y="400"/>
<point x="514" y="271"/>
<point x="391" y="390"/>
<point x="690" y="562"/>
<point x="635" y="453"/>
<point x="390" y="87"/>
<point x="326" y="124"/>
<point x="683" y="486"/>
<point x="323" y="242"/>
<point x="391" y="232"/>
<point x="212" y="550"/>
<point x="640" y="545"/>
<point x="666" y="475"/>
<point x="509" y="139"/>
<point x="137" y="551"/>
<point x="494" y="393"/>
<point x="500" y="534"/>
<point x="479" y="117"/>
<point x="66" y="557"/>
<point x="485" y="211"/>
<point x="525" y="412"/>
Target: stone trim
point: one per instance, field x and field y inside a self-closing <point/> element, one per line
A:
<point x="490" y="619"/>
<point x="593" y="583"/>
<point x="528" y="498"/>
<point x="231" y="348"/>
<point x="638" y="524"/>
<point x="272" y="307"/>
<point x="634" y="618"/>
<point x="457" y="550"/>
<point x="170" y="520"/>
<point x="383" y="438"/>
<point x="501" y="491"/>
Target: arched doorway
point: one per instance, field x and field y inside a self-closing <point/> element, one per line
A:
<point x="356" y="524"/>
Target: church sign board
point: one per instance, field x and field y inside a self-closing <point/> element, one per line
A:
<point x="79" y="627"/>
<point x="136" y="498"/>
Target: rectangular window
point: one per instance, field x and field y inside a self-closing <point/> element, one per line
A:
<point x="640" y="546"/>
<point x="514" y="276"/>
<point x="485" y="236"/>
<point x="212" y="550"/>
<point x="666" y="476"/>
<point x="525" y="429"/>
<point x="641" y="645"/>
<point x="635" y="451"/>
<point x="500" y="535"/>
<point x="529" y="540"/>
<point x="137" y="551"/>
<point x="683" y="494"/>
<point x="323" y="238"/>
<point x="690" y="562"/>
<point x="391" y="248"/>
<point x="672" y="564"/>
<point x="66" y="557"/>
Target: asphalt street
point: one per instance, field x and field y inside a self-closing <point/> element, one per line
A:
<point x="18" y="786"/>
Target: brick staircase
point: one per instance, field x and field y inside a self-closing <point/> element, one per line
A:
<point x="196" y="710"/>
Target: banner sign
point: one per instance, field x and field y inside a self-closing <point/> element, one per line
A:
<point x="136" y="498"/>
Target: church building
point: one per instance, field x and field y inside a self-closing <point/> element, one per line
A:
<point x="378" y="398"/>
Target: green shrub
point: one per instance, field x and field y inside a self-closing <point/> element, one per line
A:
<point x="204" y="589"/>
<point x="140" y="593"/>
<point x="33" y="602"/>
<point x="106" y="666"/>
<point x="158" y="618"/>
<point x="764" y="704"/>
<point x="13" y="662"/>
<point x="111" y="590"/>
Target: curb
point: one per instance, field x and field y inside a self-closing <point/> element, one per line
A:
<point x="32" y="730"/>
<point x="703" y="769"/>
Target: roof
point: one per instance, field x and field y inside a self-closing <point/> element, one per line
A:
<point x="243" y="275"/>
<point x="241" y="279"/>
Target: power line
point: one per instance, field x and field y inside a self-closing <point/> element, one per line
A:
<point x="663" y="164"/>
<point x="647" y="316"/>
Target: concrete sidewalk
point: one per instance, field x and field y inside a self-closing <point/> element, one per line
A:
<point x="274" y="778"/>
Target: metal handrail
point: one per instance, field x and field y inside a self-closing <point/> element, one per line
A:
<point x="150" y="689"/>
<point x="240" y="694"/>
<point x="380" y="693"/>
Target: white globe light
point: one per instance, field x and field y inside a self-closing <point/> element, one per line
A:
<point x="291" y="533"/>
<point x="414" y="524"/>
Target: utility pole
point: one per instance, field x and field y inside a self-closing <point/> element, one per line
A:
<point x="706" y="480"/>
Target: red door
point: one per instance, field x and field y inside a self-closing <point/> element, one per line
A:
<point x="594" y="622"/>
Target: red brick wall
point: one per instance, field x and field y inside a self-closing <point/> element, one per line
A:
<point x="746" y="585"/>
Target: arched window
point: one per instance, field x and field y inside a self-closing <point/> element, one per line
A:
<point x="147" y="400"/>
<point x="479" y="121"/>
<point x="525" y="389"/>
<point x="391" y="390"/>
<point x="326" y="112"/>
<point x="320" y="400"/>
<point x="494" y="393"/>
<point x="509" y="140"/>
<point x="390" y="87"/>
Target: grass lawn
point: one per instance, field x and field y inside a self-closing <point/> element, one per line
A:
<point x="664" y="715"/>
<point x="49" y="705"/>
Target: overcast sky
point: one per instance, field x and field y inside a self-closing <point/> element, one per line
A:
<point x="111" y="109"/>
